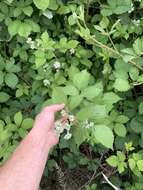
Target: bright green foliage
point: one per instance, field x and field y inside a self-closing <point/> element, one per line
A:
<point x="89" y="55"/>
<point x="4" y="97"/>
<point x="18" y="118"/>
<point x="104" y="135"/>
<point x="41" y="4"/>
<point x="118" y="161"/>
<point x="116" y="7"/>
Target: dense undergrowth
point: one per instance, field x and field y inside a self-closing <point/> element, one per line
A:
<point x="87" y="54"/>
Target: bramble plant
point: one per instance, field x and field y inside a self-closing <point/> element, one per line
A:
<point x="88" y="55"/>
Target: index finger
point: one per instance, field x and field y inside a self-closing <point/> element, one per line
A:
<point x="54" y="108"/>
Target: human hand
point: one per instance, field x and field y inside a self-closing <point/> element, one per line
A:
<point x="46" y="119"/>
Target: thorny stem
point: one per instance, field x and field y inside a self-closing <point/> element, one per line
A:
<point x="103" y="46"/>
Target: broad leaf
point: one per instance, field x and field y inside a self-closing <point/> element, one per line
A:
<point x="104" y="135"/>
<point x="42" y="4"/>
<point x="81" y="79"/>
<point x="58" y="96"/>
<point x="92" y="112"/>
<point x="4" y="97"/>
<point x="121" y="85"/>
<point x="18" y="118"/>
<point x="11" y="80"/>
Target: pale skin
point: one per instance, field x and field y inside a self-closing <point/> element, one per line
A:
<point x="23" y="171"/>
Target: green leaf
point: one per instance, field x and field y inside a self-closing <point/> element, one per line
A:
<point x="110" y="98"/>
<point x="72" y="44"/>
<point x="34" y="26"/>
<point x="72" y="20"/>
<point x="116" y="7"/>
<point x="81" y="79"/>
<point x="53" y="5"/>
<point x="80" y="135"/>
<point x="22" y="133"/>
<point x="27" y="123"/>
<point x="17" y="11"/>
<point x="1" y="77"/>
<point x="28" y="10"/>
<point x="75" y="101"/>
<point x="122" y="119"/>
<point x="120" y="130"/>
<point x="104" y="135"/>
<point x="40" y="58"/>
<point x="134" y="73"/>
<point x="19" y="92"/>
<point x="121" y="156"/>
<point x="42" y="4"/>
<point x="141" y="108"/>
<point x="58" y="96"/>
<point x="13" y="27"/>
<point x="136" y="124"/>
<point x="96" y="112"/>
<point x="18" y="118"/>
<point x="132" y="163"/>
<point x="70" y="90"/>
<point x="140" y="165"/>
<point x="11" y="80"/>
<point x="4" y="97"/>
<point x="138" y="46"/>
<point x="12" y="68"/>
<point x="92" y="91"/>
<point x="121" y="6"/>
<point x="121" y="85"/>
<point x="112" y="161"/>
<point x="4" y="135"/>
<point x="24" y="29"/>
<point x="121" y="167"/>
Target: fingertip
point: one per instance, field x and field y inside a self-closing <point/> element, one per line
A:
<point x="55" y="108"/>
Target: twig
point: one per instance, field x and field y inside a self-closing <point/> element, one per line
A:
<point x="94" y="41"/>
<point x="103" y="46"/>
<point x="107" y="180"/>
<point x="91" y="179"/>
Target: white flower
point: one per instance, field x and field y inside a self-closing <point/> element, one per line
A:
<point x="71" y="118"/>
<point x="29" y="40"/>
<point x="59" y="127"/>
<point x="87" y="124"/>
<point x="48" y="14"/>
<point x="46" y="82"/>
<point x="136" y="22"/>
<point x="67" y="126"/>
<point x="132" y="8"/>
<point x="68" y="136"/>
<point x="91" y="124"/>
<point x="57" y="65"/>
<point x="32" y="45"/>
<point x="72" y="51"/>
<point x="63" y="113"/>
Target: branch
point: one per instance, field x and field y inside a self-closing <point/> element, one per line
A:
<point x="107" y="180"/>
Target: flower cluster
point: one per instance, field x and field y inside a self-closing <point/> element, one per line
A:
<point x="136" y="22"/>
<point x="72" y="51"/>
<point x="132" y="8"/>
<point x="86" y="124"/>
<point x="57" y="65"/>
<point x="33" y="44"/>
<point x="46" y="82"/>
<point x="65" y="125"/>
